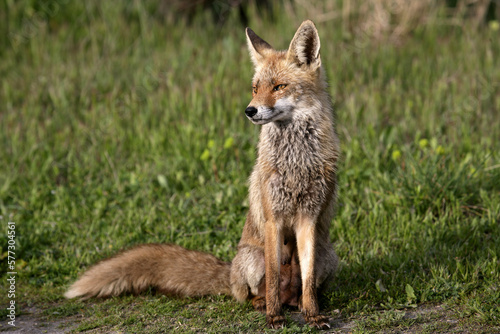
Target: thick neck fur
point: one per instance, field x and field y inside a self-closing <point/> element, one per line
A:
<point x="290" y="145"/>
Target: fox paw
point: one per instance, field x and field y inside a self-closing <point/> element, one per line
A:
<point x="275" y="321"/>
<point x="318" y="321"/>
<point x="259" y="304"/>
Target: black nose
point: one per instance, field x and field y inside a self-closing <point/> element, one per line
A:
<point x="250" y="111"/>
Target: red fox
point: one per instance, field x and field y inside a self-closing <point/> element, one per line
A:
<point x="285" y="255"/>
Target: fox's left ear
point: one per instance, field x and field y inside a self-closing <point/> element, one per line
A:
<point x="305" y="45"/>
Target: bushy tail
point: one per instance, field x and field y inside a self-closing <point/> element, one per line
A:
<point x="170" y="269"/>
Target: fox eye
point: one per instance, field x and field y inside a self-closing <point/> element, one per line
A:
<point x="254" y="90"/>
<point x="279" y="87"/>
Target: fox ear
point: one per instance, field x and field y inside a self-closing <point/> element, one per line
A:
<point x="257" y="46"/>
<point x="305" y="45"/>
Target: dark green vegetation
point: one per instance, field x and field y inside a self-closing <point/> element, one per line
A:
<point x="119" y="128"/>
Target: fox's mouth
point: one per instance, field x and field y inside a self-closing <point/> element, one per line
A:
<point x="259" y="120"/>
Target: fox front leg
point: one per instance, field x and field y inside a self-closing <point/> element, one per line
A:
<point x="306" y="246"/>
<point x="273" y="242"/>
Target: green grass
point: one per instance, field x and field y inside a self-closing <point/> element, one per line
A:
<point x="119" y="128"/>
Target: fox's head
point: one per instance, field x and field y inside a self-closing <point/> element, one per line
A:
<point x="286" y="83"/>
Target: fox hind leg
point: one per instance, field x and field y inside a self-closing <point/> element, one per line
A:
<point x="247" y="273"/>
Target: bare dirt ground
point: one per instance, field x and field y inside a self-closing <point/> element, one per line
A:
<point x="33" y="321"/>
